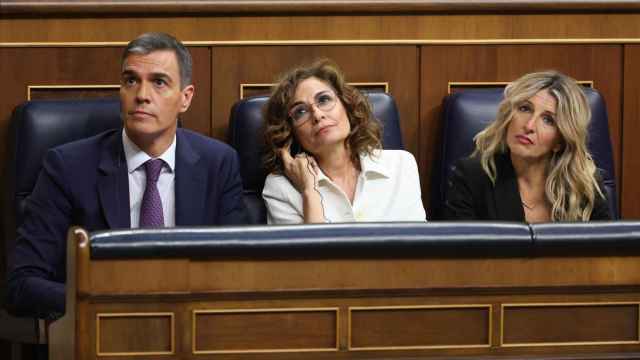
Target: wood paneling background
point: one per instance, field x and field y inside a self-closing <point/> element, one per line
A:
<point x="440" y="65"/>
<point x="415" y="46"/>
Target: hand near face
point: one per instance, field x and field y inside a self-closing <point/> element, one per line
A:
<point x="302" y="170"/>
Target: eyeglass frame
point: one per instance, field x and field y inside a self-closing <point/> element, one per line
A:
<point x="310" y="106"/>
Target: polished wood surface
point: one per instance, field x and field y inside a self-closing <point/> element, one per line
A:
<point x="420" y="327"/>
<point x="251" y="330"/>
<point x="31" y="7"/>
<point x="629" y="203"/>
<point x="355" y="308"/>
<point x="316" y="27"/>
<point x="570" y="323"/>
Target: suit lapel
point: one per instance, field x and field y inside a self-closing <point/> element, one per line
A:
<point x="506" y="194"/>
<point x="113" y="183"/>
<point x="190" y="186"/>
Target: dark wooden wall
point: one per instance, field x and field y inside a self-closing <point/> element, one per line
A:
<point x="417" y="48"/>
<point x="417" y="75"/>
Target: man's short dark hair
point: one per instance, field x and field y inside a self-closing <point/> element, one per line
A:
<point x="155" y="41"/>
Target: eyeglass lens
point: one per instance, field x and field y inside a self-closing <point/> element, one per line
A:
<point x="325" y="101"/>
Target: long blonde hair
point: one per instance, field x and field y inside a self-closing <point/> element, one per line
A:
<point x="571" y="187"/>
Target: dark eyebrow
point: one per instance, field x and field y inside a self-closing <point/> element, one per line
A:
<point x="155" y="75"/>
<point x="128" y="73"/>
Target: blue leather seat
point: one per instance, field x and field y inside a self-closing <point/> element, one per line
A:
<point x="37" y="126"/>
<point x="245" y="134"/>
<point x="467" y="112"/>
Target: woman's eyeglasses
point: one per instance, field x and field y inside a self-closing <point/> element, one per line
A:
<point x="301" y="113"/>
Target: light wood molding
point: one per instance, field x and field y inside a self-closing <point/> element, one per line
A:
<point x="60" y="7"/>
<point x="566" y="343"/>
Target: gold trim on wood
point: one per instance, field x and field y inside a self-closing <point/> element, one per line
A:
<point x="155" y="314"/>
<point x="572" y="343"/>
<point x="53" y="87"/>
<point x="594" y="41"/>
<point x="269" y="85"/>
<point x="253" y="85"/>
<point x="382" y="83"/>
<point x="267" y="310"/>
<point x="480" y="84"/>
<point x="418" y="347"/>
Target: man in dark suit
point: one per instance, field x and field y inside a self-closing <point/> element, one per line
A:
<point x="148" y="174"/>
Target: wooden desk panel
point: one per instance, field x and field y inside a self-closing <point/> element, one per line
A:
<point x="489" y="307"/>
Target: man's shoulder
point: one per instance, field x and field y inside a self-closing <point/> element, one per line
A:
<point x="202" y="142"/>
<point x="85" y="147"/>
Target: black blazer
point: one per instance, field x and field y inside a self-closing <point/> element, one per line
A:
<point x="472" y="196"/>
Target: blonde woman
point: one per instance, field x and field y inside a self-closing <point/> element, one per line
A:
<point x="325" y="158"/>
<point x="531" y="164"/>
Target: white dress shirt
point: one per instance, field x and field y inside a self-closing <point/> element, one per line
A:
<point x="138" y="180"/>
<point x="387" y="189"/>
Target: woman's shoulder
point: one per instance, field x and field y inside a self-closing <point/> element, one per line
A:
<point x="392" y="156"/>
<point x="468" y="165"/>
<point x="276" y="181"/>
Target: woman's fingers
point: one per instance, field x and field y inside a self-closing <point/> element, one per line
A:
<point x="285" y="153"/>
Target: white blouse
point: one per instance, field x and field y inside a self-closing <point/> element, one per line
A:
<point x="387" y="189"/>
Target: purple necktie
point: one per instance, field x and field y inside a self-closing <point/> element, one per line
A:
<point x="151" y="208"/>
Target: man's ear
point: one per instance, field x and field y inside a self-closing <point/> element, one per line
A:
<point x="187" y="96"/>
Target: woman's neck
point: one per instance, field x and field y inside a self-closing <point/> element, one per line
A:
<point x="336" y="163"/>
<point x="338" y="166"/>
<point x="531" y="173"/>
<point x="532" y="178"/>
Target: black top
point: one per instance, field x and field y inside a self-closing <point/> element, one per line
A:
<point x="472" y="196"/>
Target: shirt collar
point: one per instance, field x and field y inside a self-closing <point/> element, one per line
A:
<point x="136" y="157"/>
<point x="370" y="165"/>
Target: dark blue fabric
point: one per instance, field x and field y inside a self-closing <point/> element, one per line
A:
<point x="85" y="183"/>
<point x="346" y="239"/>
<point x="246" y="136"/>
<point x="467" y="112"/>
<point x="601" y="235"/>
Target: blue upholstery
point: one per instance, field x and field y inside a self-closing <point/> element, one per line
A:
<point x="467" y="112"/>
<point x="246" y="136"/>
<point x="433" y="239"/>
<point x="37" y="126"/>
<point x="601" y="237"/>
<point x="352" y="240"/>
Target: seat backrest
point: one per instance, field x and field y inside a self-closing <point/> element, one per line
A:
<point x="246" y="136"/>
<point x="37" y="126"/>
<point x="467" y="112"/>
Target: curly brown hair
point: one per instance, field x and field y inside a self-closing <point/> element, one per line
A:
<point x="366" y="131"/>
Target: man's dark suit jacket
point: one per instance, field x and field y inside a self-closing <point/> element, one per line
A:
<point x="472" y="196"/>
<point x="86" y="183"/>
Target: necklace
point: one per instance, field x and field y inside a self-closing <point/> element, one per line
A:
<point x="528" y="207"/>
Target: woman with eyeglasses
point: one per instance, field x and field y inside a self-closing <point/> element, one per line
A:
<point x="325" y="158"/>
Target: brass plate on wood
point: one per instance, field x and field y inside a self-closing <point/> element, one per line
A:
<point x="37" y="92"/>
<point x="455" y="86"/>
<point x="247" y="90"/>
<point x="420" y="327"/>
<point x="135" y="334"/>
<point x="560" y="324"/>
<point x="276" y="330"/>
